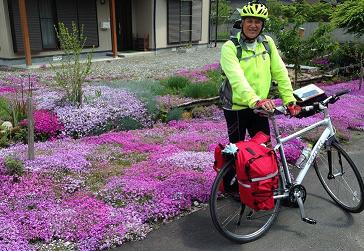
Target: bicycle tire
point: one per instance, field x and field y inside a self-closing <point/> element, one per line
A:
<point x="229" y="201"/>
<point x="349" y="181"/>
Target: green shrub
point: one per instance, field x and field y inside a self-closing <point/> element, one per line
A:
<point x="175" y="84"/>
<point x="347" y="54"/>
<point x="203" y="90"/>
<point x="128" y="123"/>
<point x="13" y="110"/>
<point x="174" y="114"/>
<point x="14" y="166"/>
<point x="4" y="140"/>
<point x="121" y="124"/>
<point x="5" y="110"/>
<point x="214" y="76"/>
<point x="71" y="75"/>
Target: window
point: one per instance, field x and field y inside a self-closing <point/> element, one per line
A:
<point x="47" y="22"/>
<point x="44" y="14"/>
<point x="184" y="21"/>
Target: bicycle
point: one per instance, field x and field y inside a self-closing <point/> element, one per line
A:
<point x="333" y="166"/>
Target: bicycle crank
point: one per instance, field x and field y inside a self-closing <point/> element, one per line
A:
<point x="297" y="194"/>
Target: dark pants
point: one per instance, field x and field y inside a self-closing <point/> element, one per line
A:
<point x="237" y="123"/>
<point x="240" y="121"/>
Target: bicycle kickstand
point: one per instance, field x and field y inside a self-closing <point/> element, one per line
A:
<point x="302" y="210"/>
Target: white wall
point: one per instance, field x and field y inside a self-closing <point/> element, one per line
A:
<point x="6" y="44"/>
<point x="7" y="52"/>
<point x="161" y="24"/>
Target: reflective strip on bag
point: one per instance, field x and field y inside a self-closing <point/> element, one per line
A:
<point x="265" y="177"/>
<point x="244" y="185"/>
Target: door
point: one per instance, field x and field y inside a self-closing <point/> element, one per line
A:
<point x="124" y="31"/>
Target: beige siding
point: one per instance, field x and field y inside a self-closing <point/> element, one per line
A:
<point x="6" y="44"/>
<point x="103" y="15"/>
<point x="205" y="22"/>
<point x="6" y="51"/>
<point x="142" y="25"/>
<point x="161" y="24"/>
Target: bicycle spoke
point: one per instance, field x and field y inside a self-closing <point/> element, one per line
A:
<point x="230" y="218"/>
<point x="346" y="187"/>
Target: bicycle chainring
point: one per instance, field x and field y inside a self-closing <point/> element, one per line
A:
<point x="292" y="201"/>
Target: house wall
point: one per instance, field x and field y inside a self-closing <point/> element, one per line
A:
<point x="161" y="24"/>
<point x="205" y="22"/>
<point x="6" y="44"/>
<point x="142" y="25"/>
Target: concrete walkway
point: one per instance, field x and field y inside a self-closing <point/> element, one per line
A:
<point x="335" y="229"/>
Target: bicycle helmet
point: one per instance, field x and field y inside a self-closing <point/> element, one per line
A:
<point x="254" y="9"/>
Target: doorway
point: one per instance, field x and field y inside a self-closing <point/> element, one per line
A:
<point x="123" y="9"/>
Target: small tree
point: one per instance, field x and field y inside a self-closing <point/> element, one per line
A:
<point x="224" y="10"/>
<point x="285" y="22"/>
<point x="72" y="73"/>
<point x="349" y="15"/>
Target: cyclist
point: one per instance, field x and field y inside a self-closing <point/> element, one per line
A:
<point x="248" y="80"/>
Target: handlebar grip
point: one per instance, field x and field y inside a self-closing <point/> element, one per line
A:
<point x="342" y="92"/>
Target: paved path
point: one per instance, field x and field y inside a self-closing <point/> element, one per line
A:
<point x="335" y="230"/>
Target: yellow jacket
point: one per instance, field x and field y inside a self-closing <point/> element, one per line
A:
<point x="250" y="79"/>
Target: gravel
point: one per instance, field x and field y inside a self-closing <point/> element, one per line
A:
<point x="141" y="66"/>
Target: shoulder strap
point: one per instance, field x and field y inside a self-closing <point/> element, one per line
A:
<point x="239" y="50"/>
<point x="266" y="45"/>
<point x="238" y="47"/>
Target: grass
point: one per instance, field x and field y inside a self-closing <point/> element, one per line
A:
<point x="203" y="90"/>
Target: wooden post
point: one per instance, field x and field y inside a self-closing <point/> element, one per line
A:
<point x="361" y="71"/>
<point x="25" y="31"/>
<point x="113" y="29"/>
<point x="30" y="123"/>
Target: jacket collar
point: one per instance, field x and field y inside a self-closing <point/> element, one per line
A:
<point x="242" y="40"/>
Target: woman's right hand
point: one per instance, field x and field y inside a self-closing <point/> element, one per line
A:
<point x="266" y="104"/>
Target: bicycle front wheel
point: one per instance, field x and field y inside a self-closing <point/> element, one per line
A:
<point x="344" y="184"/>
<point x="233" y="219"/>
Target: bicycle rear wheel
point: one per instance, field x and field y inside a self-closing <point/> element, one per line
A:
<point x="345" y="187"/>
<point x="233" y="219"/>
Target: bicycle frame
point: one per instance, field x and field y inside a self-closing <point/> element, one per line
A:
<point x="328" y="132"/>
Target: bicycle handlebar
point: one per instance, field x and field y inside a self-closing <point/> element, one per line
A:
<point x="342" y="92"/>
<point x="317" y="106"/>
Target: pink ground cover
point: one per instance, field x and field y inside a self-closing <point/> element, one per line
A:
<point x="100" y="191"/>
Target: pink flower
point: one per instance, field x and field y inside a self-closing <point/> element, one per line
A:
<point x="46" y="124"/>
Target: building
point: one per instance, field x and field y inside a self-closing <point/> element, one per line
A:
<point x="109" y="25"/>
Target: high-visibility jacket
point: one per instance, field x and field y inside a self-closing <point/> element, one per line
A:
<point x="250" y="79"/>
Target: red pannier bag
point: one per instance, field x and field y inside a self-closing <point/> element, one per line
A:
<point x="257" y="172"/>
<point x="219" y="162"/>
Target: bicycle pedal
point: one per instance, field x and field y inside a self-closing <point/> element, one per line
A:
<point x="309" y="221"/>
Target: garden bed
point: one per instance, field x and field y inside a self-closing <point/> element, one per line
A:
<point x="94" y="192"/>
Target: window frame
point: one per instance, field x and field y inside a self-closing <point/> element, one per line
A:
<point x="191" y="31"/>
